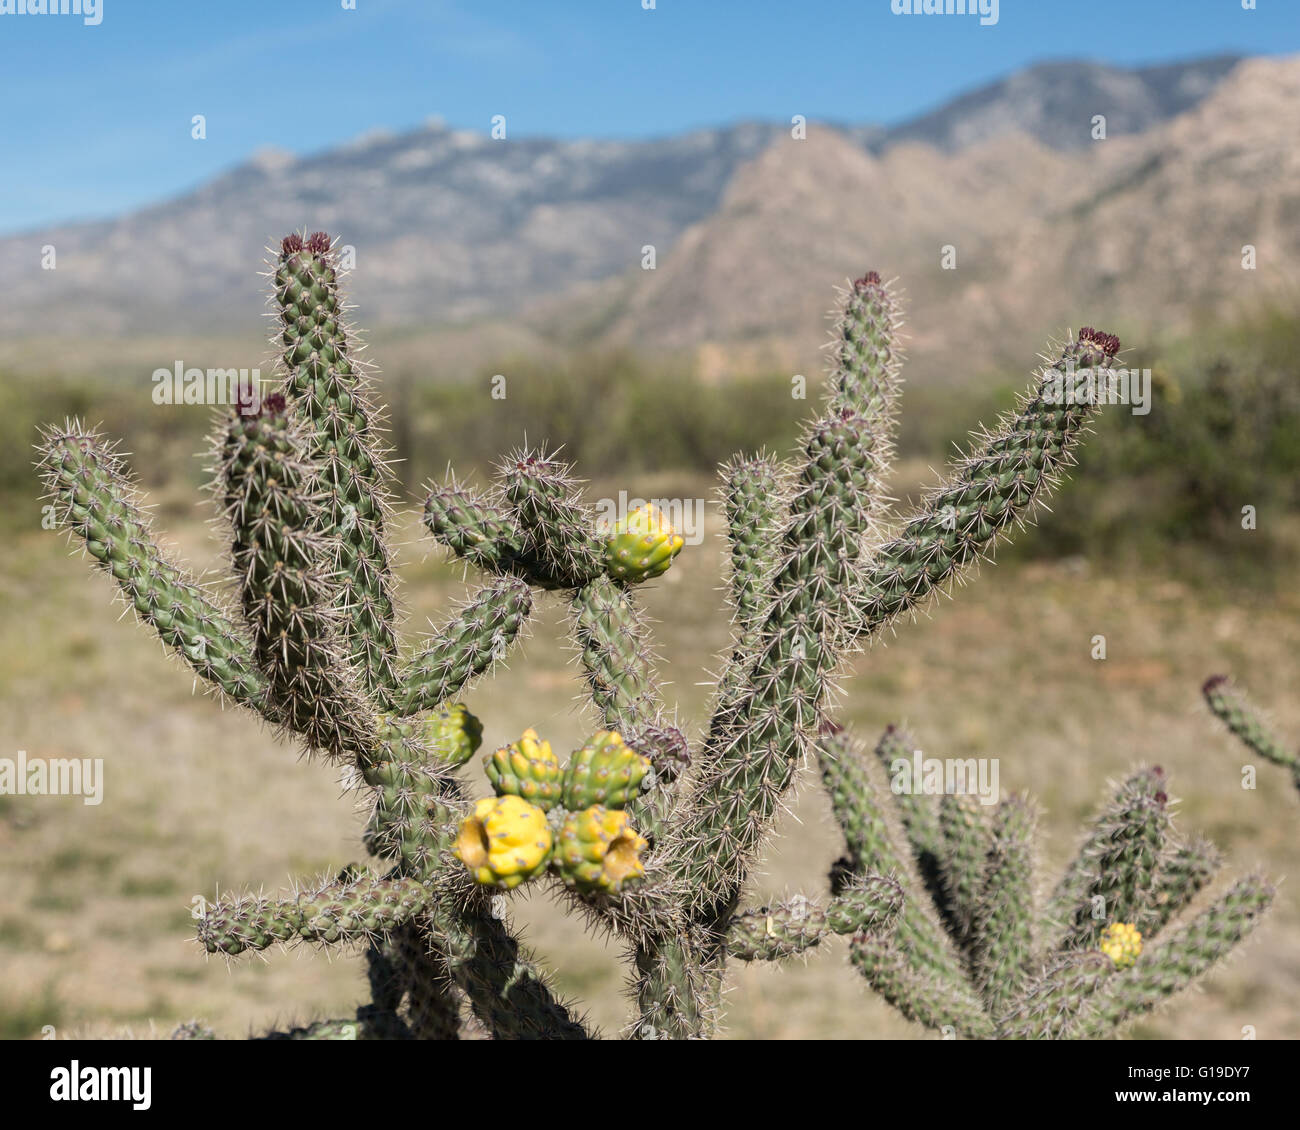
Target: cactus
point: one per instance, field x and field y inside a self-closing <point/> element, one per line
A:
<point x="982" y="960"/>
<point x="1247" y="723"/>
<point x="647" y="835"/>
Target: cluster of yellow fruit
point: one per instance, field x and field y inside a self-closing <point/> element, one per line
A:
<point x="589" y="841"/>
<point x="1122" y="943"/>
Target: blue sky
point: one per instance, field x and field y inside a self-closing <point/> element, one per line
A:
<point x="96" y="120"/>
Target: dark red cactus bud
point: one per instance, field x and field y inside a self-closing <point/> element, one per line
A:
<point x="871" y="278"/>
<point x="1213" y="683"/>
<point x="274" y="405"/>
<point x="318" y="243"/>
<point x="291" y="245"/>
<point x="1161" y="798"/>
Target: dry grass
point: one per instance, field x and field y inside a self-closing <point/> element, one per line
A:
<point x="95" y="926"/>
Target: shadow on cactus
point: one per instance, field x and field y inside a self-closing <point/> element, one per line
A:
<point x="974" y="954"/>
<point x="646" y="834"/>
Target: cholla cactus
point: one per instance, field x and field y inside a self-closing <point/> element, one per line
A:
<point x="973" y="953"/>
<point x="646" y="837"/>
<point x="1246" y="721"/>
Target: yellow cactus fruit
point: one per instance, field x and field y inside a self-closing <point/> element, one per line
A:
<point x="527" y="768"/>
<point x="642" y="545"/>
<point x="1122" y="943"/>
<point x="599" y="850"/>
<point x="506" y="842"/>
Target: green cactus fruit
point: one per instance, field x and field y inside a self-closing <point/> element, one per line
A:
<point x="642" y="545"/>
<point x="454" y="733"/>
<point x="526" y="768"/>
<point x="605" y="771"/>
<point x="597" y="849"/>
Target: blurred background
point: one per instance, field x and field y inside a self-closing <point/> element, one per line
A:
<point x="637" y="215"/>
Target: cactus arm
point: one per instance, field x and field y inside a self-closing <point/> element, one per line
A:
<point x="324" y="387"/>
<point x="999" y="484"/>
<point x="97" y="504"/>
<point x="556" y="526"/>
<point x="873" y="846"/>
<point x="268" y="490"/>
<point x="1002" y="928"/>
<point x="341" y="912"/>
<point x="1178" y="960"/>
<point x="1245" y="721"/>
<point x="754" y="504"/>
<point x="962" y="867"/>
<point x="505" y="989"/>
<point x="474" y="528"/>
<point x="1050" y="1006"/>
<point x="464" y="648"/>
<point x="927" y="1000"/>
<point x="1117" y="864"/>
<point x="919" y="813"/>
<point x="1181" y="877"/>
<point x="772" y="933"/>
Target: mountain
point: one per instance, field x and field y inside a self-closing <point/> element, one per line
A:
<point x="1139" y="233"/>
<point x="450" y="226"/>
<point x="1054" y="103"/>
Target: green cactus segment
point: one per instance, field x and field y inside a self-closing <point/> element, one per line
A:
<point x="418" y="971"/>
<point x="755" y="505"/>
<point x="1051" y="1005"/>
<point x="557" y="528"/>
<point x="874" y="848"/>
<point x="475" y="528"/>
<point x="95" y="501"/>
<point x="324" y="387"/>
<point x="598" y="850"/>
<point x="933" y="1002"/>
<point x="675" y="999"/>
<point x="505" y="989"/>
<point x="453" y="733"/>
<point x="1179" y="959"/>
<point x="962" y="866"/>
<point x="413" y="820"/>
<point x="619" y="667"/>
<point x="754" y="502"/>
<point x="918" y="812"/>
<point x="1002" y="928"/>
<point x="604" y="772"/>
<point x="996" y="486"/>
<point x="751" y="763"/>
<point x="527" y="768"/>
<point x="1181" y="877"/>
<point x="1231" y="706"/>
<point x="616" y="656"/>
<point x="868" y="358"/>
<point x="287" y="594"/>
<point x="772" y="933"/>
<point x="335" y="913"/>
<point x="641" y="546"/>
<point x="464" y="648"/>
<point x="1114" y="874"/>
